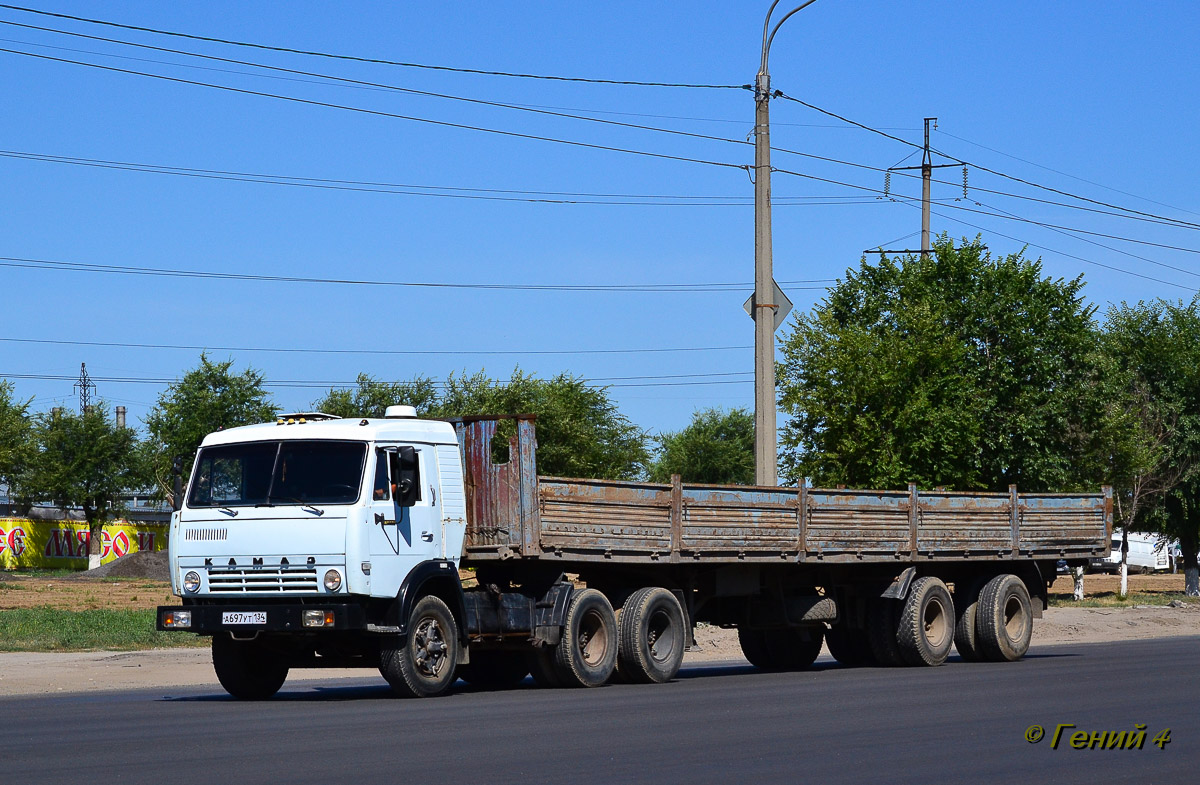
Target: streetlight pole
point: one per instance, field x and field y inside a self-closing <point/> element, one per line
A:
<point x="765" y="457"/>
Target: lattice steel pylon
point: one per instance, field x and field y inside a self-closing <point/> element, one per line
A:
<point x="86" y="388"/>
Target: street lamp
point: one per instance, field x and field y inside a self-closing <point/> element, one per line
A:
<point x="766" y="292"/>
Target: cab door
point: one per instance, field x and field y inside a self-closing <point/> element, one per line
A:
<point x="405" y="526"/>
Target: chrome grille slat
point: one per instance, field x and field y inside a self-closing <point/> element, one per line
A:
<point x="262" y="579"/>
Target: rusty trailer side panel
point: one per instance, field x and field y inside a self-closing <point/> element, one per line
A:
<point x="513" y="513"/>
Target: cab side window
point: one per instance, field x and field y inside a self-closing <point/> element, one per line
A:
<point x="382" y="489"/>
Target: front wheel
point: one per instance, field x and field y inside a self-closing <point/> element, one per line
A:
<point x="423" y="666"/>
<point x="247" y="670"/>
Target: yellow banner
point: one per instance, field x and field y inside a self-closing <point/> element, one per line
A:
<point x="64" y="544"/>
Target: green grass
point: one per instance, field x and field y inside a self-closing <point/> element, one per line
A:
<point x="1113" y="600"/>
<point x="50" y="629"/>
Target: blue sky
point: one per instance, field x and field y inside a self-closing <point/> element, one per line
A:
<point x="1095" y="99"/>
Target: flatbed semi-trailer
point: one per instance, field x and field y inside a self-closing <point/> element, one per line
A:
<point x="320" y="542"/>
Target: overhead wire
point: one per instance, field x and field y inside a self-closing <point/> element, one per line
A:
<point x="25" y="262"/>
<point x="372" y="60"/>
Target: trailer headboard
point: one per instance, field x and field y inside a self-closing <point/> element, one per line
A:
<point x="502" y="503"/>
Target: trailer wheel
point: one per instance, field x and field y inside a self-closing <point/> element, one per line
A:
<point x="882" y="616"/>
<point x="1004" y="619"/>
<point x="849" y="645"/>
<point x="652" y="636"/>
<point x="246" y="669"/>
<point x="781" y="649"/>
<point x="424" y="665"/>
<point x="925" y="631"/>
<point x="587" y="654"/>
<point x="965" y="638"/>
<point x="495" y="669"/>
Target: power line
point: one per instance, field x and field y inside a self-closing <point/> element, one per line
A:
<point x="1066" y="174"/>
<point x="379" y="113"/>
<point x="1068" y="194"/>
<point x="50" y="264"/>
<point x="385" y="352"/>
<point x="386" y="87"/>
<point x="1062" y="253"/>
<point x="409" y="189"/>
<point x="373" y="60"/>
<point x="326" y="384"/>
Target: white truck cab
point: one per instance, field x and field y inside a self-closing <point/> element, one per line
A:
<point x="315" y="525"/>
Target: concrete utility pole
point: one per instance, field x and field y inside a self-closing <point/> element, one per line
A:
<point x="766" y="292"/>
<point x="926" y="178"/>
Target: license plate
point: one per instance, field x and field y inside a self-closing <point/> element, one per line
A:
<point x="244" y="617"/>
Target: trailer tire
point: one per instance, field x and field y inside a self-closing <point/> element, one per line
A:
<point x="788" y="649"/>
<point x="882" y="616"/>
<point x="652" y="637"/>
<point x="587" y="654"/>
<point x="966" y="639"/>
<point x="1004" y="619"/>
<point x="495" y="669"/>
<point x="246" y="669"/>
<point x="925" y="631"/>
<point x="849" y="645"/>
<point x="423" y="666"/>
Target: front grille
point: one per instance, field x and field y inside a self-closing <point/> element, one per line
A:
<point x="278" y="580"/>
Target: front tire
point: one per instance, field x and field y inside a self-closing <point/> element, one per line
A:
<point x="247" y="669"/>
<point x="423" y="666"/>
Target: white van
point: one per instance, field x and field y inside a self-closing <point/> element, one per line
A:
<point x="1147" y="553"/>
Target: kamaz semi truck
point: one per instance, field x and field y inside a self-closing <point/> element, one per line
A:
<point x="433" y="551"/>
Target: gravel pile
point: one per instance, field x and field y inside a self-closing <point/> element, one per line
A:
<point x="143" y="564"/>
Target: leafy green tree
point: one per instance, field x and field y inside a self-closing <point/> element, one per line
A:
<point x="960" y="370"/>
<point x="209" y="397"/>
<point x="717" y="448"/>
<point x="371" y="397"/>
<point x="580" y="432"/>
<point x="14" y="435"/>
<point x="1155" y="348"/>
<point x="82" y="461"/>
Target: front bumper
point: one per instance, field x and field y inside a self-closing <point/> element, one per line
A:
<point x="208" y="619"/>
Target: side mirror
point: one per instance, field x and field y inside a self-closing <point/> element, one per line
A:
<point x="406" y="475"/>
<point x="177" y="484"/>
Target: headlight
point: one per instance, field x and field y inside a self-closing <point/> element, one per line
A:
<point x="191" y="582"/>
<point x="333" y="580"/>
<point x="177" y="619"/>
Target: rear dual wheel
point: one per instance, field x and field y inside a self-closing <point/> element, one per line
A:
<point x="586" y="654"/>
<point x="925" y="626"/>
<point x="652" y="636"/>
<point x="1004" y="619"/>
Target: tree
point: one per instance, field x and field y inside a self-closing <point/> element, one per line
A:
<point x="14" y="435"/>
<point x="580" y="432"/>
<point x="82" y="462"/>
<point x="958" y="370"/>
<point x="372" y="397"/>
<point x="209" y="397"/>
<point x="1155" y="348"/>
<point x="716" y="448"/>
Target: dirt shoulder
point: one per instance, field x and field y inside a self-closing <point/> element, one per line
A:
<point x="34" y="673"/>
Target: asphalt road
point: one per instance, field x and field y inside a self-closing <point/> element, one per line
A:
<point x="960" y="723"/>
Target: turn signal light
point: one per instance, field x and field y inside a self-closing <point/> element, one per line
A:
<point x="178" y="619"/>
<point x="318" y="618"/>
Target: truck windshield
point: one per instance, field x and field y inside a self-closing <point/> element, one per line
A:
<point x="283" y="472"/>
